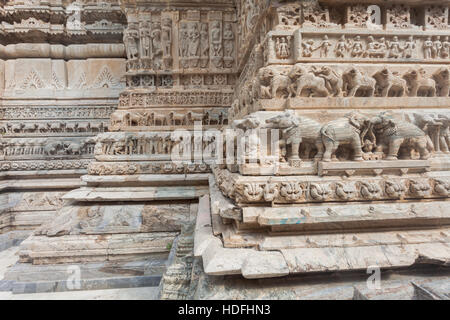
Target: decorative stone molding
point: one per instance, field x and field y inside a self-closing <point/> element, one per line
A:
<point x="284" y="190"/>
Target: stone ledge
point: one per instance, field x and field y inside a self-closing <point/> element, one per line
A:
<point x="360" y="103"/>
<point x="94" y="248"/>
<point x="136" y="193"/>
<point x="373" y="167"/>
<point x="350" y="216"/>
<point x="349" y="252"/>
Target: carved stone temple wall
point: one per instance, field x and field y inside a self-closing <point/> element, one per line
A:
<point x="62" y="69"/>
<point x="335" y="114"/>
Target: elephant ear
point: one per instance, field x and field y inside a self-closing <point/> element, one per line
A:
<point x="392" y="125"/>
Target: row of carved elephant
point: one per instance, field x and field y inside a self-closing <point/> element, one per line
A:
<point x="20" y="147"/>
<point x="156" y="143"/>
<point x="54" y="126"/>
<point x="147" y="118"/>
<point x="299" y="81"/>
<point x="354" y="134"/>
<point x="296" y="191"/>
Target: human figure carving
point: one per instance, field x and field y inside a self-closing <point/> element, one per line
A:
<point x="145" y="43"/>
<point x="131" y="36"/>
<point x="166" y="38"/>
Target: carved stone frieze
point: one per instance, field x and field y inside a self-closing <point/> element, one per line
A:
<point x="194" y="98"/>
<point x="157" y="167"/>
<point x="286" y="190"/>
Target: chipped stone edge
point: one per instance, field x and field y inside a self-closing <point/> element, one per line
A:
<point x="218" y="260"/>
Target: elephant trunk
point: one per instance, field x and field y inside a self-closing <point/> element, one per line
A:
<point x="363" y="134"/>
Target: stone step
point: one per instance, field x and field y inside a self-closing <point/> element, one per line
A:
<point x="437" y="289"/>
<point x="28" y="278"/>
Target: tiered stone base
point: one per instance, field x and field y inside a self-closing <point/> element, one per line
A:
<point x="29" y="199"/>
<point x="118" y="230"/>
<point x="426" y="283"/>
<point x="304" y="245"/>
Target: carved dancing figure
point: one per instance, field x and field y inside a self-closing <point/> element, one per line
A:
<point x="341" y="47"/>
<point x="324" y="47"/>
<point x="395" y="50"/>
<point x="445" y="52"/>
<point x="410" y="48"/>
<point x="156" y="46"/>
<point x="194" y="40"/>
<point x="166" y="38"/>
<point x="282" y="48"/>
<point x="437" y="47"/>
<point x="308" y="48"/>
<point x="428" y="48"/>
<point x="145" y="34"/>
<point x="228" y="37"/>
<point x="357" y="47"/>
<point x="216" y="39"/>
<point x="130" y="38"/>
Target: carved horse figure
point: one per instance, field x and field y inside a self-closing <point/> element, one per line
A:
<point x="355" y="81"/>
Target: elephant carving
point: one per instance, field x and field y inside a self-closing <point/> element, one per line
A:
<point x="74" y="147"/>
<point x="52" y="148"/>
<point x="397" y="133"/>
<point x="296" y="130"/>
<point x="345" y="131"/>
